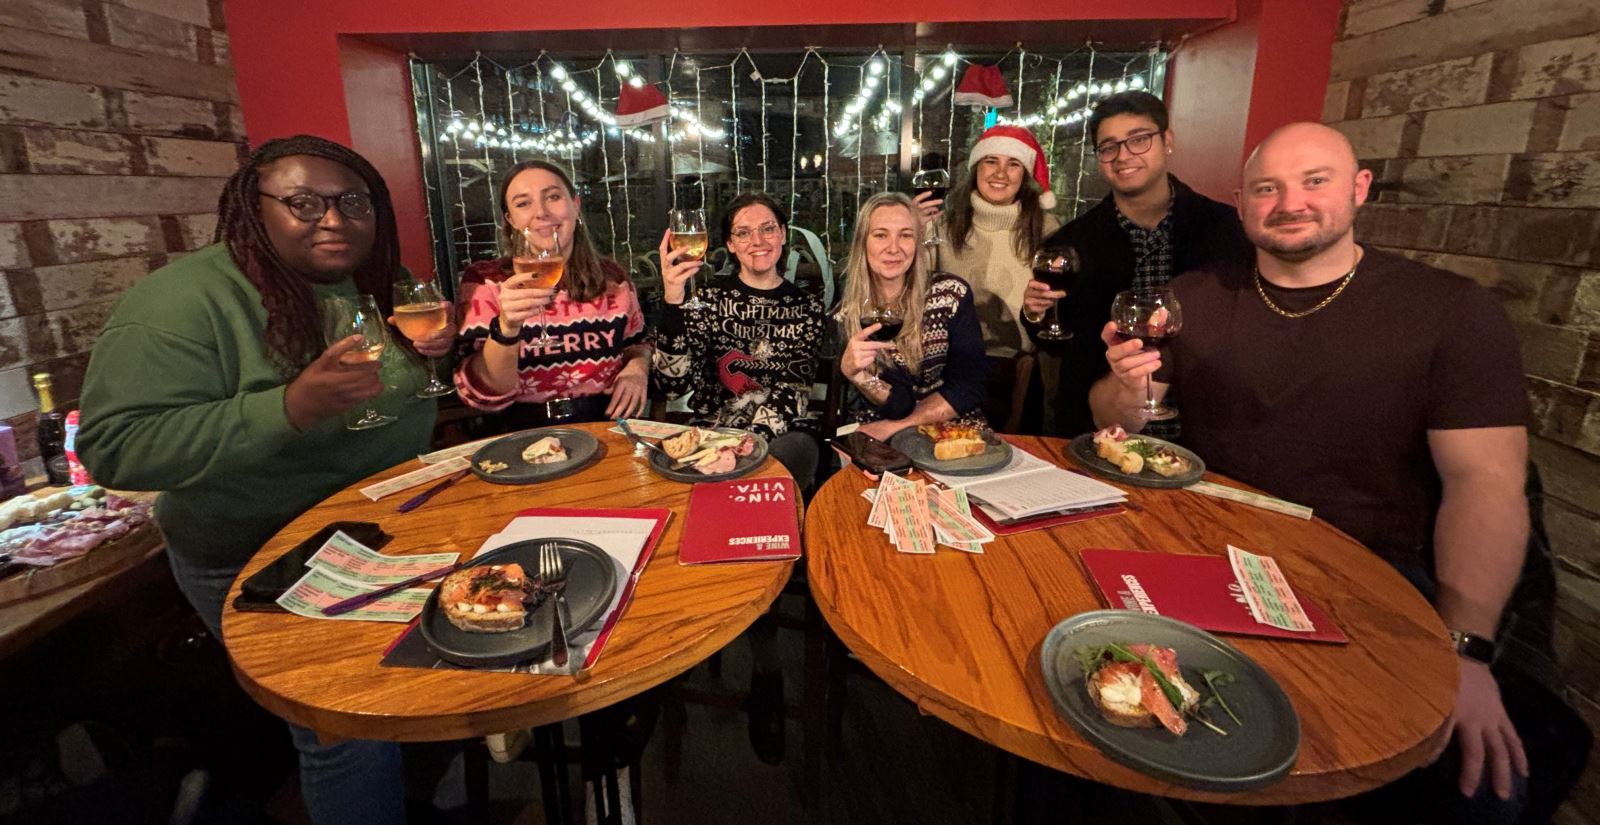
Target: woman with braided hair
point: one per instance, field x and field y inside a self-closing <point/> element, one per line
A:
<point x="211" y="383"/>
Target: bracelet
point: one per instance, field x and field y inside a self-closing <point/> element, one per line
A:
<point x="497" y="335"/>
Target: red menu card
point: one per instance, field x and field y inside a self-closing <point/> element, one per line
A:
<point x="1200" y="590"/>
<point x="746" y="519"/>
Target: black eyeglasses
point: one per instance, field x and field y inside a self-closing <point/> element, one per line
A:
<point x="1137" y="145"/>
<point x="310" y="208"/>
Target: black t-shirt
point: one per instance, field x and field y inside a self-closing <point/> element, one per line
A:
<point x="1332" y="410"/>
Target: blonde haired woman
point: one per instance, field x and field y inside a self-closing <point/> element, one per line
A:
<point x="938" y="360"/>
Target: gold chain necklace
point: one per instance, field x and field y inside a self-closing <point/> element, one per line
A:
<point x="1348" y="276"/>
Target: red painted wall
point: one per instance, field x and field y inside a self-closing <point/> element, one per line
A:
<point x="1232" y="86"/>
<point x="383" y="127"/>
<point x="297" y="71"/>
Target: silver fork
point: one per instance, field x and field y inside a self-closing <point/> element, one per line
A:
<point x="553" y="578"/>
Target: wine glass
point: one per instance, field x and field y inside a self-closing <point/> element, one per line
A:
<point x="538" y="251"/>
<point x="419" y="311"/>
<point x="936" y="181"/>
<point x="344" y="317"/>
<point x="689" y="233"/>
<point x="891" y="320"/>
<point x="1152" y="316"/>
<point x="1057" y="268"/>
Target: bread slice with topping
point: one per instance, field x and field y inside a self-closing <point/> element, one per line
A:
<point x="487" y="598"/>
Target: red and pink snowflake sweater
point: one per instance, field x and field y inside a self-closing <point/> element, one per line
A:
<point x="590" y="338"/>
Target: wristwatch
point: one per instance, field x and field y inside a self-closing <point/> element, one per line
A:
<point x="1473" y="646"/>
<point x="499" y="337"/>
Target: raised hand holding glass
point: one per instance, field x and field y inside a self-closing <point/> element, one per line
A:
<point x="344" y="317"/>
<point x="1152" y="316"/>
<point x="420" y="310"/>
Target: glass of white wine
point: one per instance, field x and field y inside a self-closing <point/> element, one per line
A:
<point x="420" y="310"/>
<point x="344" y="317"/>
<point x="537" y="251"/>
<point x="689" y="234"/>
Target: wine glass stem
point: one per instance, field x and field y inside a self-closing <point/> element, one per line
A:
<point x="1149" y="393"/>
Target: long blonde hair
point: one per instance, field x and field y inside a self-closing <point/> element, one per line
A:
<point x="858" y="280"/>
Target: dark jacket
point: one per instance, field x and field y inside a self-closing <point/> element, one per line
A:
<point x="1204" y="233"/>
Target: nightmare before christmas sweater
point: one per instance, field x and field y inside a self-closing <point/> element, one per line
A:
<point x="749" y="358"/>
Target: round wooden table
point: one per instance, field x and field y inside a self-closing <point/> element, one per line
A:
<point x="325" y="675"/>
<point x="960" y="634"/>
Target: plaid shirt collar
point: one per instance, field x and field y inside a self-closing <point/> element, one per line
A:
<point x="1152" y="248"/>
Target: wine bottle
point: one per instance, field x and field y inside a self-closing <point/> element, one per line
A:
<point x="52" y="432"/>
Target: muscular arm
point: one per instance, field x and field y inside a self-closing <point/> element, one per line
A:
<point x="1482" y="529"/>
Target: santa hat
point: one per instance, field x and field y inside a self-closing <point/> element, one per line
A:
<point x="1016" y="142"/>
<point x="638" y="105"/>
<point x="983" y="86"/>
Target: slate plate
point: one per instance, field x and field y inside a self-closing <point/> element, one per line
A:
<point x="689" y="475"/>
<point x="1256" y="754"/>
<point x="582" y="450"/>
<point x="919" y="448"/>
<point x="1083" y="450"/>
<point x="591" y="582"/>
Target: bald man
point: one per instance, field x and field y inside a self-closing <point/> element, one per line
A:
<point x="1385" y="394"/>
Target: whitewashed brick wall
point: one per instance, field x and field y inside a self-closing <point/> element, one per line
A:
<point x="1481" y="122"/>
<point x="119" y="122"/>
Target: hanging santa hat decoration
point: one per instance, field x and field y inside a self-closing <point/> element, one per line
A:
<point x="983" y="86"/>
<point x="638" y="105"/>
<point x="1016" y="142"/>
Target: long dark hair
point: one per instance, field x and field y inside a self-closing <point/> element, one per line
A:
<point x="586" y="278"/>
<point x="1026" y="234"/>
<point x="748" y="199"/>
<point x="294" y="329"/>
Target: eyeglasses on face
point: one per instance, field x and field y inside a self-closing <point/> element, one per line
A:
<point x="767" y="231"/>
<point x="310" y="208"/>
<point x="1137" y="145"/>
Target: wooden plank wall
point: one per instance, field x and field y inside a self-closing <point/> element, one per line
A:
<point x="119" y="122"/>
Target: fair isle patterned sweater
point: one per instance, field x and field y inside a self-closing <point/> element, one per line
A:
<point x="749" y="358"/>
<point x="586" y="355"/>
<point x="953" y="361"/>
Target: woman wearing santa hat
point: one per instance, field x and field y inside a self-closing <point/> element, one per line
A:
<point x="993" y="222"/>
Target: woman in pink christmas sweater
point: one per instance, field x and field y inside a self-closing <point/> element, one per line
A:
<point x="576" y="351"/>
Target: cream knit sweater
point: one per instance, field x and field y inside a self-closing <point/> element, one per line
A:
<point x="998" y="278"/>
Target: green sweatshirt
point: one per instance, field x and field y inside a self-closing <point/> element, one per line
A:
<point x="181" y="397"/>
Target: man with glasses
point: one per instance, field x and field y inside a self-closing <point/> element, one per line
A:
<point x="1147" y="230"/>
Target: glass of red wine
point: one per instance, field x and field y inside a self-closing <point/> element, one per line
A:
<point x="1153" y="316"/>
<point x="1057" y="268"/>
<point x="937" y="183"/>
<point x="890" y="319"/>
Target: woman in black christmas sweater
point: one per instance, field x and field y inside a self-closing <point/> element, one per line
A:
<point x="750" y="356"/>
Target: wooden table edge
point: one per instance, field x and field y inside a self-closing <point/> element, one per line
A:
<point x="348" y="725"/>
<point x="336" y="724"/>
<point x="1025" y="744"/>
